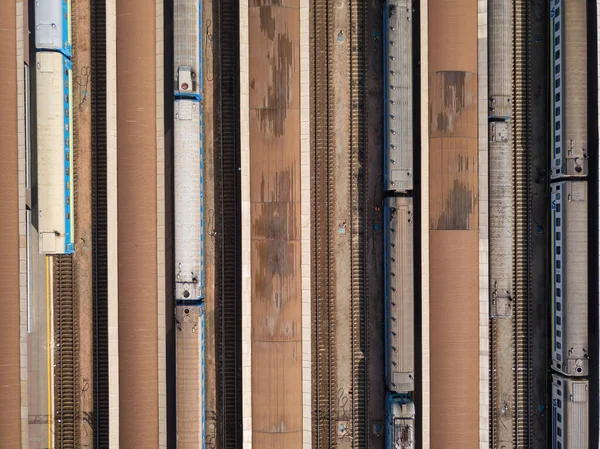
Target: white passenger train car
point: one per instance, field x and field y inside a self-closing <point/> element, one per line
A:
<point x="570" y="277"/>
<point x="569" y="99"/>
<point x="190" y="402"/>
<point x="53" y="25"/>
<point x="187" y="48"/>
<point x="399" y="294"/>
<point x="570" y="413"/>
<point x="398" y="105"/>
<point x="189" y="203"/>
<point x="400" y="422"/>
<point x="54" y="164"/>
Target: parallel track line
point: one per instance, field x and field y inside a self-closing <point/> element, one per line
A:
<point x="522" y="263"/>
<point x="358" y="178"/>
<point x="228" y="243"/>
<point x="99" y="420"/>
<point x="66" y="349"/>
<point x="323" y="282"/>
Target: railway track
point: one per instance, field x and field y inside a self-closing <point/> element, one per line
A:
<point x="99" y="419"/>
<point x="66" y="352"/>
<point x="228" y="244"/>
<point x="323" y="194"/>
<point x="358" y="213"/>
<point x="522" y="271"/>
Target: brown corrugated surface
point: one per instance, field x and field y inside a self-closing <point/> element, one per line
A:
<point x="453" y="220"/>
<point x="452" y="35"/>
<point x="188" y="335"/>
<point x="575" y="73"/>
<point x="453" y="186"/>
<point x="274" y="34"/>
<point x="10" y="390"/>
<point x="454" y="345"/>
<point x="136" y="170"/>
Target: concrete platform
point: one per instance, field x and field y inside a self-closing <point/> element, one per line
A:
<point x="40" y="350"/>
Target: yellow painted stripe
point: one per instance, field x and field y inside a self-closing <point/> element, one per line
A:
<point x="69" y="21"/>
<point x="49" y="351"/>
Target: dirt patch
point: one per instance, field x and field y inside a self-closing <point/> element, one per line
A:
<point x="82" y="259"/>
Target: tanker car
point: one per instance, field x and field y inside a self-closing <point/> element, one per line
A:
<point x="54" y="125"/>
<point x="569" y="224"/>
<point x="398" y="224"/>
<point x="189" y="223"/>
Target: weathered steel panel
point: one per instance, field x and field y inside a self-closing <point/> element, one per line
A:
<point x="453" y="151"/>
<point x="454" y="224"/>
<point x="274" y="125"/>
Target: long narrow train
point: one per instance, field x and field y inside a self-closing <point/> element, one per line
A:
<point x="569" y="225"/>
<point x="54" y="124"/>
<point x="189" y="223"/>
<point x="398" y="225"/>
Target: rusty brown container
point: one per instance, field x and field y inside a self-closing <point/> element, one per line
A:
<point x="453" y="224"/>
<point x="10" y="385"/>
<point x="274" y="75"/>
<point x="137" y="218"/>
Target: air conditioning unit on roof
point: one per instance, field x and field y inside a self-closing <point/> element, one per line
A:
<point x="184" y="79"/>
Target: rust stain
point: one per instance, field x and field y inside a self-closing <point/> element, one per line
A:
<point x="267" y="22"/>
<point x="275" y="235"/>
<point x="460" y="203"/>
<point x="454" y="93"/>
<point x="453" y="151"/>
<point x="275" y="88"/>
<point x="274" y="115"/>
